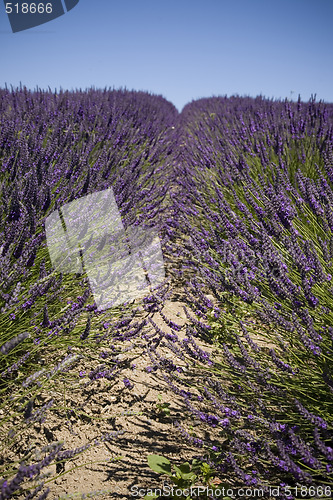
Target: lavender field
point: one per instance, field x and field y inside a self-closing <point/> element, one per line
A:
<point x="236" y="346"/>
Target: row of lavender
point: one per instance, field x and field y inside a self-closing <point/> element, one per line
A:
<point x="55" y="147"/>
<point x="240" y="190"/>
<point x="255" y="226"/>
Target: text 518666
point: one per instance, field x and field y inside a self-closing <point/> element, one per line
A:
<point x="29" y="8"/>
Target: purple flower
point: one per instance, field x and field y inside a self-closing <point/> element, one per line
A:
<point x="224" y="422"/>
<point x="127" y="383"/>
<point x="86" y="331"/>
<point x="8" y="346"/>
<point x="310" y="416"/>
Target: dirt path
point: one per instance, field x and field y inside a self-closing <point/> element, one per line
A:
<point x="128" y="417"/>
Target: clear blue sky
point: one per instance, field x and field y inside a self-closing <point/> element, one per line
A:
<point x="182" y="49"/>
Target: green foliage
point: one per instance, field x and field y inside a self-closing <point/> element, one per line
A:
<point x="163" y="408"/>
<point x="159" y="464"/>
<point x="183" y="476"/>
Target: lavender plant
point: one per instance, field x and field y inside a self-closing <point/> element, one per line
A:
<point x="55" y="147"/>
<point x="240" y="191"/>
<point x="254" y="223"/>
